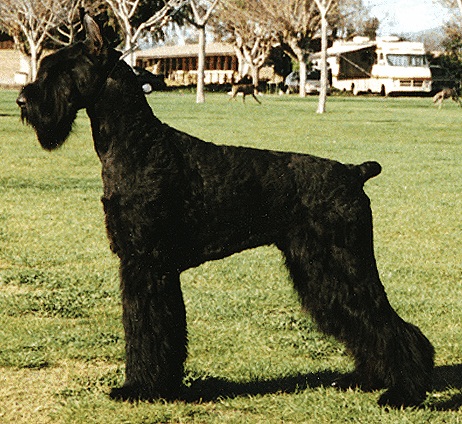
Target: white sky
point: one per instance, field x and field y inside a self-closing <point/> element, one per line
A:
<point x="398" y="16"/>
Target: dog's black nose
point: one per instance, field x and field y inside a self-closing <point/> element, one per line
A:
<point x="21" y="100"/>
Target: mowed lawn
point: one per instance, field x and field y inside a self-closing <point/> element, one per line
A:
<point x="254" y="357"/>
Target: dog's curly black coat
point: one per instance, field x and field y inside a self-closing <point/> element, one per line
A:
<point x="173" y="201"/>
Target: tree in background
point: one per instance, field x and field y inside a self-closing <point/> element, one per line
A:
<point x="324" y="7"/>
<point x="280" y="61"/>
<point x="137" y="17"/>
<point x="65" y="31"/>
<point x="451" y="4"/>
<point x="200" y="13"/>
<point x="451" y="60"/>
<point x="294" y="23"/>
<point x="370" y="28"/>
<point x="452" y="42"/>
<point x="30" y="22"/>
<point x="35" y="24"/>
<point x="241" y="24"/>
<point x="350" y="18"/>
<point x="448" y="72"/>
<point x="337" y="11"/>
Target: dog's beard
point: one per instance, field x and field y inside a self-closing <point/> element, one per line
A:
<point x="53" y="137"/>
<point x="51" y="126"/>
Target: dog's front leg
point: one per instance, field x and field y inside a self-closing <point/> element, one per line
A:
<point x="154" y="321"/>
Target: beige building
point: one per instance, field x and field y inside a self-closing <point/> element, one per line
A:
<point x="179" y="63"/>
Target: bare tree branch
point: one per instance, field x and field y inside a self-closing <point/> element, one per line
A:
<point x="295" y="22"/>
<point x="63" y="34"/>
<point x="201" y="13"/>
<point x="240" y="22"/>
<point x="124" y="10"/>
<point x="451" y="4"/>
<point x="29" y="23"/>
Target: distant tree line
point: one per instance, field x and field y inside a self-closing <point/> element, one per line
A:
<point x="259" y="30"/>
<point x="253" y="27"/>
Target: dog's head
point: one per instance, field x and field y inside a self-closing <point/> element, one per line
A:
<point x="67" y="80"/>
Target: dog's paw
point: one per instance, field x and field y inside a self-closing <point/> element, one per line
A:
<point x="356" y="381"/>
<point x="397" y="398"/>
<point x="129" y="393"/>
<point x="136" y="393"/>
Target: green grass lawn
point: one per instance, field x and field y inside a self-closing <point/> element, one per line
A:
<point x="253" y="356"/>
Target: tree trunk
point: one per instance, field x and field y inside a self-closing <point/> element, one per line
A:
<point x="255" y="76"/>
<point x="33" y="61"/>
<point x="240" y="63"/>
<point x="302" y="74"/>
<point x="128" y="48"/>
<point x="200" y="98"/>
<point x="323" y="91"/>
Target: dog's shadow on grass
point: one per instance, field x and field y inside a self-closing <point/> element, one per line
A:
<point x="448" y="377"/>
<point x="209" y="389"/>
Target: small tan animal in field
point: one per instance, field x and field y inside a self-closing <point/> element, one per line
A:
<point x="446" y="93"/>
<point x="245" y="89"/>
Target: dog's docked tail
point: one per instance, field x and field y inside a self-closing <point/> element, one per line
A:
<point x="369" y="170"/>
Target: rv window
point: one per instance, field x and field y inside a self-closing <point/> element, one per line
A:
<point x="406" y="60"/>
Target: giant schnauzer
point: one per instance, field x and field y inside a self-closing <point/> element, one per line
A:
<point x="173" y="202"/>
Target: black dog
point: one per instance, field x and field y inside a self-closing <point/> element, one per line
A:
<point x="173" y="201"/>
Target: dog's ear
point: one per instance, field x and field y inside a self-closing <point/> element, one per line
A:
<point x="94" y="40"/>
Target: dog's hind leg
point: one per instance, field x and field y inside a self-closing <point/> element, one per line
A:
<point x="154" y="321"/>
<point x="456" y="98"/>
<point x="233" y="94"/>
<point x="335" y="275"/>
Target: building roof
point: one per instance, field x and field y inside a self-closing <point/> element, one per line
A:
<point x="187" y="50"/>
<point x="388" y="44"/>
<point x="346" y="47"/>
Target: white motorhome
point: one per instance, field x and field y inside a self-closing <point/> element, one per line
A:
<point x="384" y="66"/>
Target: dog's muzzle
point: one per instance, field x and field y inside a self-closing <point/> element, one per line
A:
<point x="21" y="101"/>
